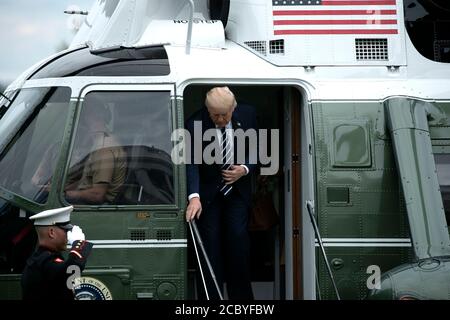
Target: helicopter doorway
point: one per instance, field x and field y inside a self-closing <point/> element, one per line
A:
<point x="292" y="191"/>
<point x="276" y="246"/>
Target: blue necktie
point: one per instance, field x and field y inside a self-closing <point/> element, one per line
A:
<point x="226" y="162"/>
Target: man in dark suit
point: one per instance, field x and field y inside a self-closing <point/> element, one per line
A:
<point x="219" y="194"/>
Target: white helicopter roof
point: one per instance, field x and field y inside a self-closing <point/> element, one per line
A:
<point x="148" y="22"/>
<point x="283" y="32"/>
<point x="140" y="23"/>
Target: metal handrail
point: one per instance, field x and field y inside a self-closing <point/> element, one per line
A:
<point x="193" y="226"/>
<point x="319" y="238"/>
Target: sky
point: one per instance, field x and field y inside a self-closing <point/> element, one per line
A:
<point x="31" y="30"/>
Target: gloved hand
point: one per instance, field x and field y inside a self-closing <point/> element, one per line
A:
<point x="75" y="234"/>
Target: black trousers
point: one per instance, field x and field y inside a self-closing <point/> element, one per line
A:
<point x="223" y="228"/>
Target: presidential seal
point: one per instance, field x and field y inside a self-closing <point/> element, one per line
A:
<point x="87" y="288"/>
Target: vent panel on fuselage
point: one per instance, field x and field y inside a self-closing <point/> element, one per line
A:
<point x="321" y="32"/>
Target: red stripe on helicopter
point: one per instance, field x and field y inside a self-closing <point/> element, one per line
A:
<point x="357" y="3"/>
<point x="321" y="22"/>
<point x="340" y="31"/>
<point x="333" y="12"/>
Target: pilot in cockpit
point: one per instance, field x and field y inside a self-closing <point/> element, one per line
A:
<point x="98" y="165"/>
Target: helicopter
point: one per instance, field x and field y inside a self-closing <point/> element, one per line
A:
<point x="358" y="91"/>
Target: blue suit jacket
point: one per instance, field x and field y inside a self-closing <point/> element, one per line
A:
<point x="205" y="179"/>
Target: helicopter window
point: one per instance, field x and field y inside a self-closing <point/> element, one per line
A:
<point x="121" y="62"/>
<point x="6" y="100"/>
<point x="37" y="120"/>
<point x="443" y="170"/>
<point x="428" y="26"/>
<point x="128" y="68"/>
<point x="122" y="150"/>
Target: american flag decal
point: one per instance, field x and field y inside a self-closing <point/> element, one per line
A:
<point x="330" y="17"/>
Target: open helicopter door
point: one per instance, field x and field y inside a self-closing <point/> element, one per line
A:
<point x="291" y="201"/>
<point x="282" y="252"/>
<point x="298" y="188"/>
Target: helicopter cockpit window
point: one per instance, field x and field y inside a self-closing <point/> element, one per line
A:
<point x="443" y="170"/>
<point x="4" y="103"/>
<point x="5" y="98"/>
<point x="121" y="151"/>
<point x="35" y="124"/>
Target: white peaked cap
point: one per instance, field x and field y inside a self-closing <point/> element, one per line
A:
<point x="54" y="217"/>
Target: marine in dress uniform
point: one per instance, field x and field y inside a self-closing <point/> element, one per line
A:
<point x="46" y="272"/>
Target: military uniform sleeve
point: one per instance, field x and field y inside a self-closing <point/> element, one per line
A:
<point x="79" y="252"/>
<point x="56" y="269"/>
<point x="103" y="166"/>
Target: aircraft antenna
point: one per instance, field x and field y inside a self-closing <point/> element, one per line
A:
<point x="83" y="13"/>
<point x="191" y="21"/>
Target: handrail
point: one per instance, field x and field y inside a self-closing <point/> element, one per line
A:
<point x="191" y="21"/>
<point x="319" y="238"/>
<point x="193" y="226"/>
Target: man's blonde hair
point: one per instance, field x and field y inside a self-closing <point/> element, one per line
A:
<point x="220" y="97"/>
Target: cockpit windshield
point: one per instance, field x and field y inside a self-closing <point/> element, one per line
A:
<point x="22" y="107"/>
<point x="29" y="132"/>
